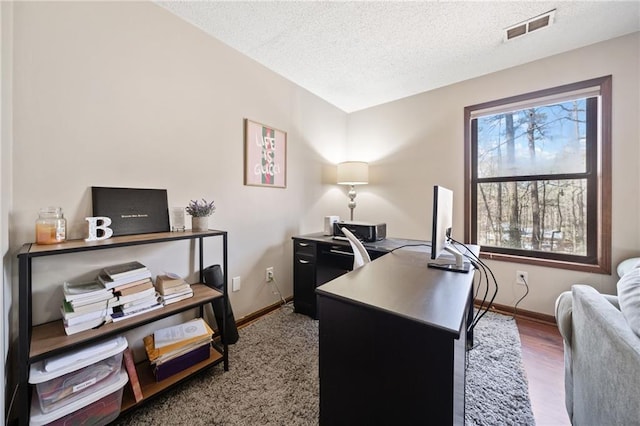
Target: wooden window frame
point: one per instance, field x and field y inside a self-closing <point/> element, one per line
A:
<point x="598" y="259"/>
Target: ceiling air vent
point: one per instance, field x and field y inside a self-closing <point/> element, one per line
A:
<point x="535" y="23"/>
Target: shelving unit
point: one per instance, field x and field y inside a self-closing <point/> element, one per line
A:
<point x="49" y="339"/>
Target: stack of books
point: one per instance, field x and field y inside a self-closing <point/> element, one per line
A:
<point x="136" y="300"/>
<point x="86" y="305"/>
<point x="124" y="273"/>
<point x="131" y="284"/>
<point x="173" y="349"/>
<point x="172" y="288"/>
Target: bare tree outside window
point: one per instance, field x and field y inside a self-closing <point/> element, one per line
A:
<point x="538" y="176"/>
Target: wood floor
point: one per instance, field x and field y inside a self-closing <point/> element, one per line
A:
<point x="543" y="358"/>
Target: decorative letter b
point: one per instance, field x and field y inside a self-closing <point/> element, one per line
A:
<point x="103" y="226"/>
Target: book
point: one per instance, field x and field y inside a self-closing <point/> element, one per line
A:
<point x="98" y="306"/>
<point x="177" y="298"/>
<point x="139" y="295"/>
<point x="136" y="308"/>
<point x="156" y="358"/>
<point x="67" y="311"/>
<point x="87" y="325"/>
<point x="180" y="351"/>
<point x="110" y="283"/>
<point x="172" y="342"/>
<point x="131" y="284"/>
<point x="138" y="304"/>
<point x="168" y="280"/>
<point x="173" y="290"/>
<point x="90" y="300"/>
<point x="133" y="374"/>
<point x="177" y="294"/>
<point x="155" y="297"/>
<point x="179" y="333"/>
<point x="134" y="289"/>
<point x="124" y="269"/>
<point x="119" y="316"/>
<point x="88" y="289"/>
<point x="74" y="318"/>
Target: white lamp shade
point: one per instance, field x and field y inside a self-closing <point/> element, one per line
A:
<point x="353" y="173"/>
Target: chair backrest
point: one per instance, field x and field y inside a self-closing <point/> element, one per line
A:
<point x="360" y="255"/>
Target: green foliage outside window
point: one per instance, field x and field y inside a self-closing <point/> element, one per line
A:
<point x="539" y="176"/>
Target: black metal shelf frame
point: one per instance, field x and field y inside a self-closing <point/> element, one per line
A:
<point x="25" y="325"/>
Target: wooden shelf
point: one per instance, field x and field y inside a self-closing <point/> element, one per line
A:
<point x="42" y="341"/>
<point x="49" y="338"/>
<point x="70" y="246"/>
<point x="151" y="388"/>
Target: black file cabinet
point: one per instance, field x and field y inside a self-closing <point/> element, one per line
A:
<point x="317" y="260"/>
<point x="304" y="277"/>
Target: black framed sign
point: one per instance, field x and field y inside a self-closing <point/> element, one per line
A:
<point x="132" y="210"/>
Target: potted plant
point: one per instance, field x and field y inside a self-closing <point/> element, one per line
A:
<point x="200" y="212"/>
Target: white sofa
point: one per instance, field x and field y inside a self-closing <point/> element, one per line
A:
<point x="602" y="353"/>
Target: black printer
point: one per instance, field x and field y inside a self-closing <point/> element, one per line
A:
<point x="367" y="232"/>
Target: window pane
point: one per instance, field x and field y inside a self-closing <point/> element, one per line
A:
<point x="533" y="141"/>
<point x="547" y="216"/>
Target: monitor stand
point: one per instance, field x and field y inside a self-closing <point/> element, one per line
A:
<point x="458" y="264"/>
<point x="466" y="266"/>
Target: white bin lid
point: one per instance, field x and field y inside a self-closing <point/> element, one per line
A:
<point x="51" y="368"/>
<point x="39" y="418"/>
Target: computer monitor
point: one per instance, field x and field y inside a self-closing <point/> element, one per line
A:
<point x="442" y="223"/>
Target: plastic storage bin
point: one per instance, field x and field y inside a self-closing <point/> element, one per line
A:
<point x="98" y="408"/>
<point x="62" y="380"/>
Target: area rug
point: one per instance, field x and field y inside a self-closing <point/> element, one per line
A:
<point x="273" y="379"/>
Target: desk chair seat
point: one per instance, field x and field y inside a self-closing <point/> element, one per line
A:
<point x="360" y="255"/>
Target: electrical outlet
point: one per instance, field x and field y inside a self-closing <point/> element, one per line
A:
<point x="268" y="274"/>
<point x="235" y="284"/>
<point x="522" y="277"/>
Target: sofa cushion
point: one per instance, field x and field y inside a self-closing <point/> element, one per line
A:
<point x="629" y="298"/>
<point x="627" y="265"/>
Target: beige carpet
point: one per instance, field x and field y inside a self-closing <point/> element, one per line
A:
<point x="273" y="379"/>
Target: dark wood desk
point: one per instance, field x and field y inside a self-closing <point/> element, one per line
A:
<point x="318" y="259"/>
<point x="392" y="343"/>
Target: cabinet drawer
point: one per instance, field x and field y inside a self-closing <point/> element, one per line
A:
<point x="304" y="259"/>
<point x="304" y="247"/>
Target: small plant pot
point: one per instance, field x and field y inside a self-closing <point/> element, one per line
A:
<point x="200" y="223"/>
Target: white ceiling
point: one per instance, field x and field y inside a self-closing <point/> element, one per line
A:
<point x="360" y="54"/>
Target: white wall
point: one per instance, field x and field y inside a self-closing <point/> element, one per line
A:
<point x="6" y="13"/>
<point x="417" y="142"/>
<point x="126" y="94"/>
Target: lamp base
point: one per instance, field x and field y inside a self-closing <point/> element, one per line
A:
<point x="352" y="202"/>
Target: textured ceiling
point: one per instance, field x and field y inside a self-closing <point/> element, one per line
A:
<point x="360" y="54"/>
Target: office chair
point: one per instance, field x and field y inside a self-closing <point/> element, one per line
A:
<point x="360" y="255"/>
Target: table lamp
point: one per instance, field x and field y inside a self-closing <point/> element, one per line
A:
<point x="353" y="173"/>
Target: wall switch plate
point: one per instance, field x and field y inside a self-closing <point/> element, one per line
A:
<point x="235" y="284"/>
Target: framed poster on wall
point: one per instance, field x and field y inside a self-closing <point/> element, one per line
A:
<point x="265" y="155"/>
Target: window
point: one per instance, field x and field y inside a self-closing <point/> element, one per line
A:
<point x="538" y="177"/>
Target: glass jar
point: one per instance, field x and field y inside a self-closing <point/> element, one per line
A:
<point x="51" y="226"/>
